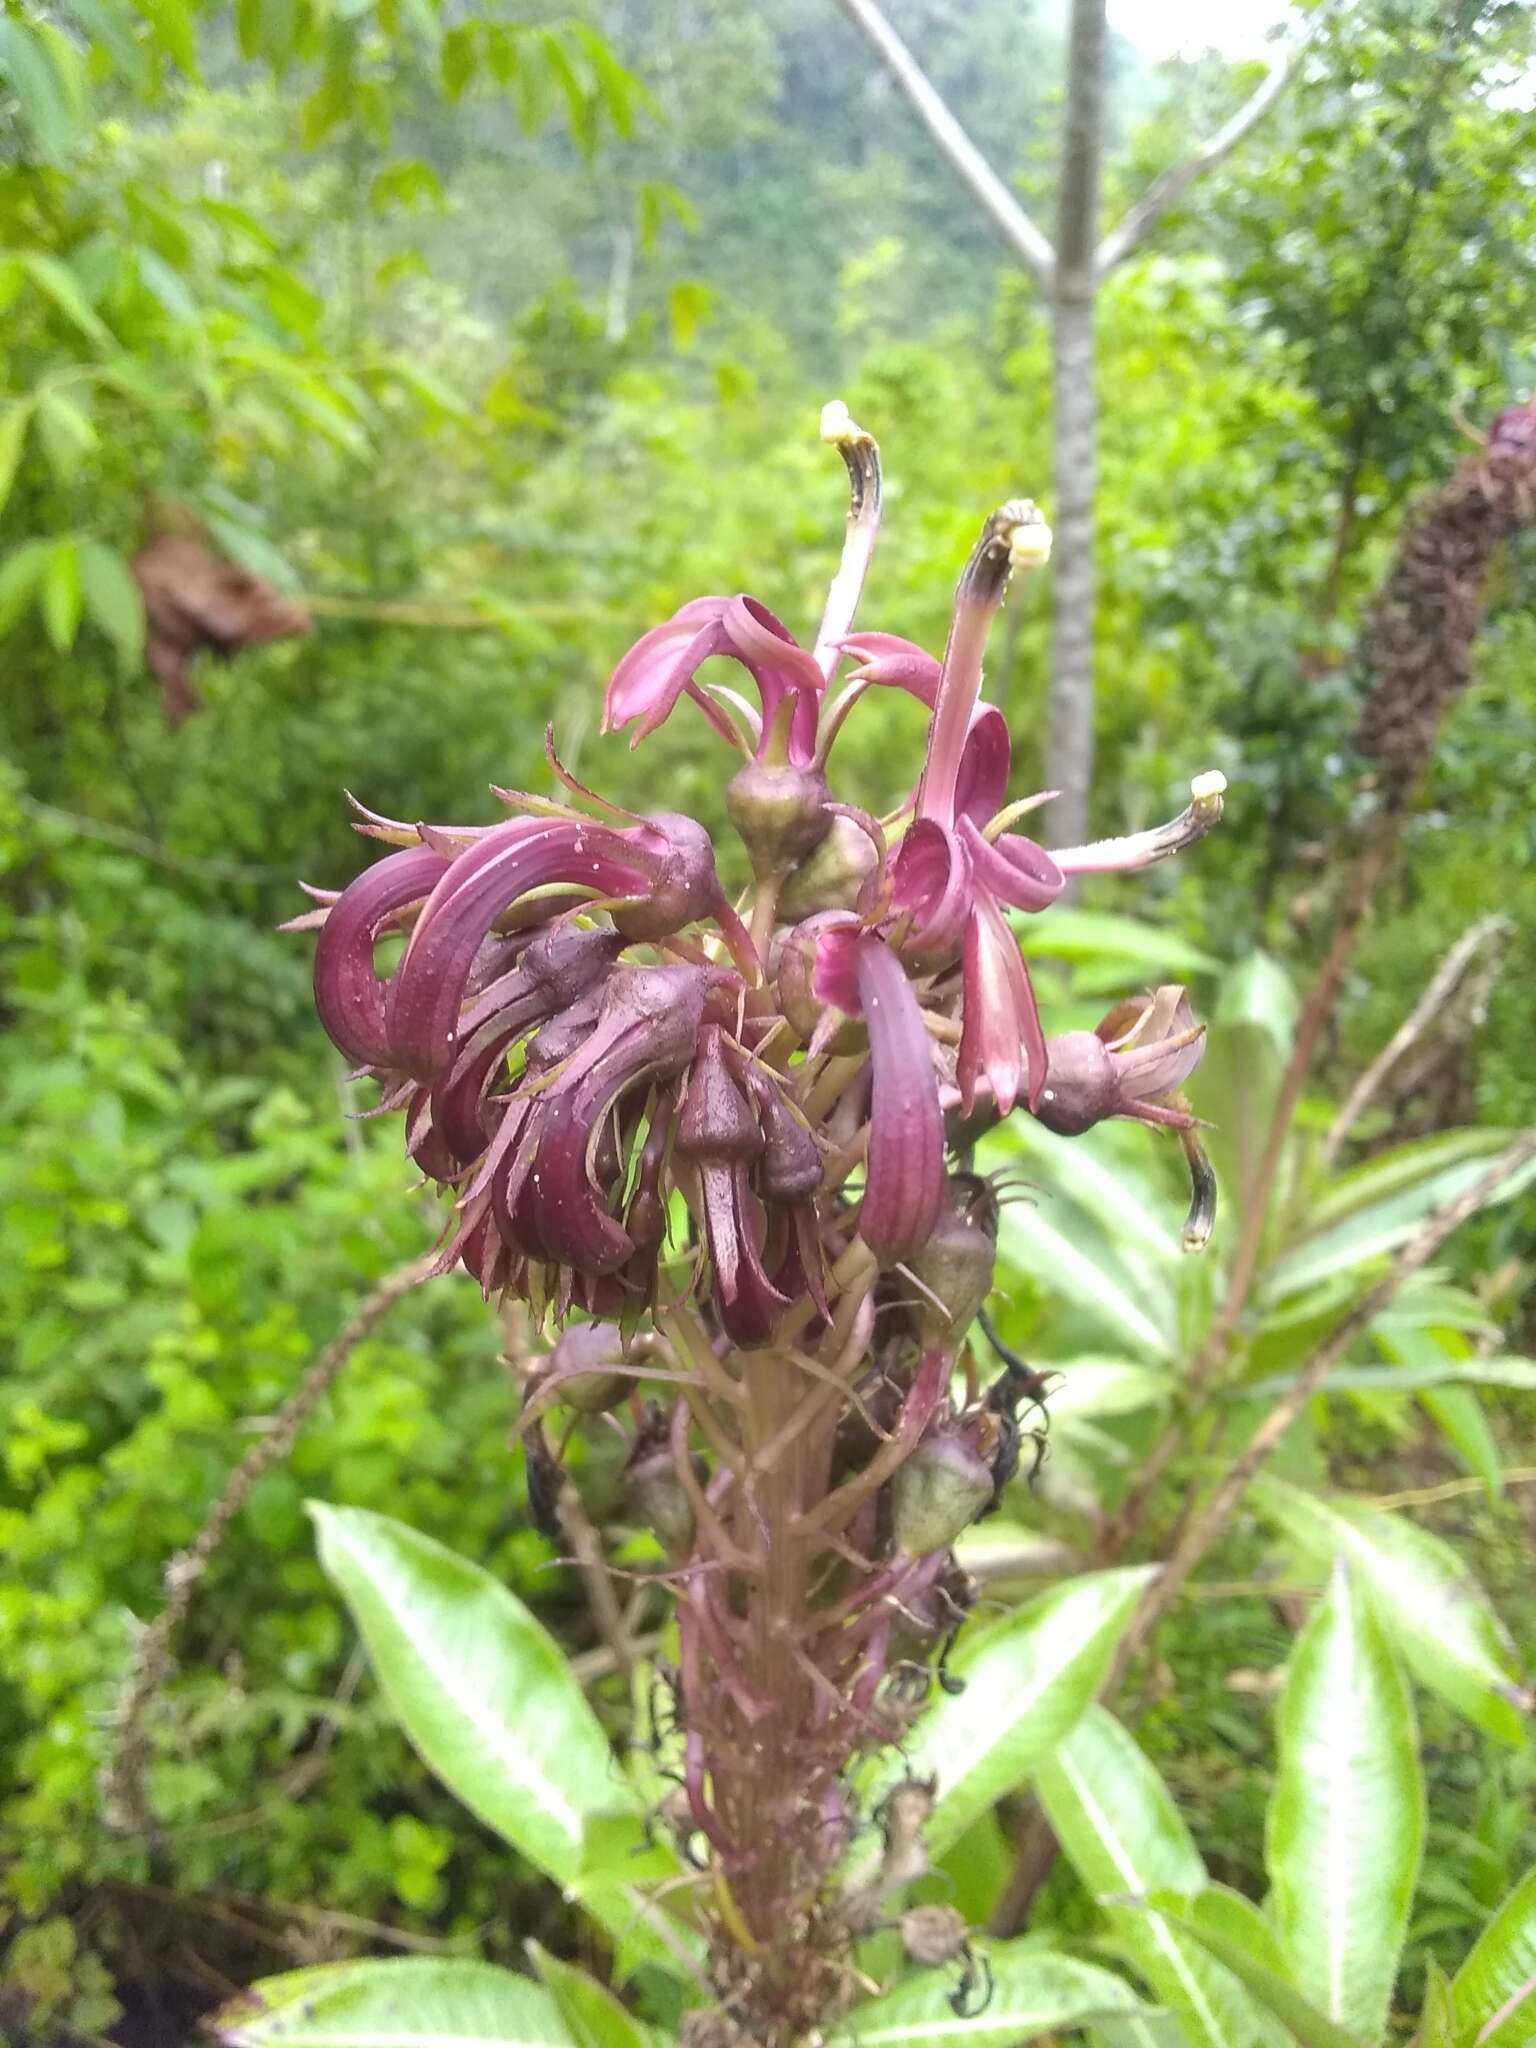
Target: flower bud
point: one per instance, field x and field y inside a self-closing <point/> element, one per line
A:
<point x="937" y="1493"/>
<point x="780" y="813"/>
<point x="791" y="1167"/>
<point x="684" y="884"/>
<point x="956" y="1262"/>
<point x="654" y="1496"/>
<point x="575" y="1372"/>
<point x="717" y="1123"/>
<point x="1081" y="1087"/>
<point x="832" y="875"/>
<point x="800" y="1001"/>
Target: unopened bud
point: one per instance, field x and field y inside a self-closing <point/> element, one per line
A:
<point x="685" y="886"/>
<point x="937" y="1494"/>
<point x="954" y="1266"/>
<point x="780" y="813"/>
<point x="805" y="1009"/>
<point x="577" y="1374"/>
<point x="833" y="874"/>
<point x="654" y="1496"/>
<point x="717" y="1124"/>
<point x="791" y="1165"/>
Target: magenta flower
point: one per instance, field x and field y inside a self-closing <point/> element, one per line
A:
<point x="1143" y="1051"/>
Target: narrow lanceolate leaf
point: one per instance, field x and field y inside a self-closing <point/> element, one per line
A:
<point x="1034" y="1991"/>
<point x="1229" y="1937"/>
<point x="1437" y="2022"/>
<point x="485" y="1695"/>
<point x="1122" y="1834"/>
<point x="1345" y="1827"/>
<point x="1431" y="1607"/>
<point x="1025" y="1683"/>
<point x="411" y="2002"/>
<point x="1494" y="1992"/>
<point x="593" y="2016"/>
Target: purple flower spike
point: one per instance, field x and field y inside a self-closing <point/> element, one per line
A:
<point x="905" y="1184"/>
<point x="350" y="996"/>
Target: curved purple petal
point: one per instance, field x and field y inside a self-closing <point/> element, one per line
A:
<point x="350" y="996"/>
<point x="931" y="877"/>
<point x="981" y="782"/>
<point x="1014" y="868"/>
<point x="1001" y="1036"/>
<point x="427" y="992"/>
<point x="650" y="678"/>
<point x="904" y="1189"/>
<point x="749" y="1303"/>
<point x="888" y="660"/>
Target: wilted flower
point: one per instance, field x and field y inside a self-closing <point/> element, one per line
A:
<point x="1139" y="1054"/>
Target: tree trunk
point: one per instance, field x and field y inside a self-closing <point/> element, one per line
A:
<point x="1069" y="747"/>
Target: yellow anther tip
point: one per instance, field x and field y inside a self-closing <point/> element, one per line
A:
<point x="1210" y="785"/>
<point x="837" y="423"/>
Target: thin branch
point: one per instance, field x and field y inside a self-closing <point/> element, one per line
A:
<point x="1210" y="1521"/>
<point x="123" y="1771"/>
<point x="1166" y="191"/>
<point x="587" y="1548"/>
<point x="1441" y="983"/>
<point x="965" y="159"/>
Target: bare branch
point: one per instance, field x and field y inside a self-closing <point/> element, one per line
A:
<point x="1166" y="191"/>
<point x="1441" y="983"/>
<point x="996" y="201"/>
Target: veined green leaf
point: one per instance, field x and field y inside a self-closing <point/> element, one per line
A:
<point x="1345" y="1829"/>
<point x="408" y="2002"/>
<point x="1103" y="1386"/>
<point x="1427" y="1600"/>
<point x="1026" y="1681"/>
<point x="483" y="1691"/>
<point x="1232" y="1946"/>
<point x="20" y="574"/>
<point x="1459" y="1414"/>
<point x="1112" y="1182"/>
<point x="1257" y="990"/>
<point x="1494" y="1991"/>
<point x="1401" y="1168"/>
<point x="592" y="2015"/>
<point x="65" y="430"/>
<point x="1035" y="1991"/>
<point x="1381" y="1227"/>
<point x="1519" y="1373"/>
<point x="1123" y="1835"/>
<point x="1039" y="1241"/>
<point x="1437" y="2022"/>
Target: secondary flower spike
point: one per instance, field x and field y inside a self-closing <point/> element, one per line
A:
<point x="720" y="1150"/>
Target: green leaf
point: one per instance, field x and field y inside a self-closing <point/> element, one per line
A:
<point x="1519" y="1373"/>
<point x="1402" y="1168"/>
<point x="1026" y="1681"/>
<point x="1127" y="942"/>
<point x="62" y="596"/>
<point x="1047" y="1241"/>
<point x="484" y="1693"/>
<point x="14" y="421"/>
<point x="1381" y="1227"/>
<point x="1461" y="1420"/>
<point x="65" y="430"/>
<point x="1437" y="2022"/>
<point x="1428" y="1601"/>
<point x="1233" y="1948"/>
<point x="28" y="66"/>
<point x="1122" y="1834"/>
<point x="1259" y="991"/>
<point x="113" y="599"/>
<point x="592" y="2015"/>
<point x="20" y="574"/>
<point x="61" y="285"/>
<point x="1494" y="1991"/>
<point x="689" y="305"/>
<point x="1034" y="1991"/>
<point x="1345" y="1828"/>
<point x="410" y="2002"/>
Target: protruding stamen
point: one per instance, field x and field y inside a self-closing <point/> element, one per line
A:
<point x="861" y="453"/>
<point x="1141" y="849"/>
